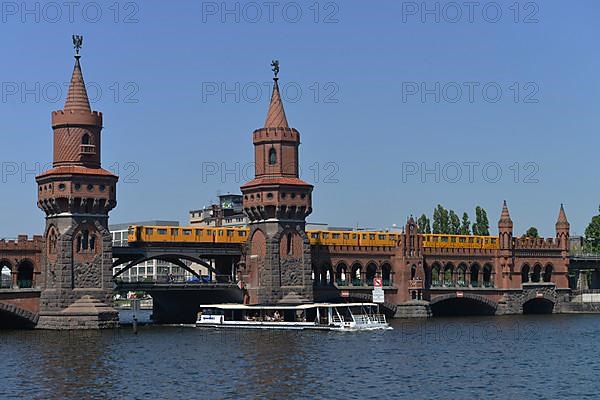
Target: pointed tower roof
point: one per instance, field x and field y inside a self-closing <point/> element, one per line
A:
<point x="562" y="221"/>
<point x="276" y="115"/>
<point x="77" y="97"/>
<point x="505" y="220"/>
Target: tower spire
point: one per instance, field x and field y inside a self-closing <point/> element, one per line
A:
<point x="505" y="220"/>
<point x="276" y="115"/>
<point x="77" y="97"/>
<point x="562" y="221"/>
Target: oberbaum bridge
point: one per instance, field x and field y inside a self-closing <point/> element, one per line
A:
<point x="63" y="279"/>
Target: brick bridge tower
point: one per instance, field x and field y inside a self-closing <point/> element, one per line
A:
<point x="76" y="196"/>
<point x="277" y="202"/>
<point x="505" y="249"/>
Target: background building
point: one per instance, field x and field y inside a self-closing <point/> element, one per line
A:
<point x="227" y="212"/>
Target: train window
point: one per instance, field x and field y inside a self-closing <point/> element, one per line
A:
<point x="209" y="232"/>
<point x="392" y="237"/>
<point x="162" y="231"/>
<point x="198" y="232"/>
<point x="364" y="236"/>
<point x="335" y="235"/>
<point x="354" y="236"/>
<point x="220" y="232"/>
<point x="326" y="236"/>
<point x="462" y="240"/>
<point x="229" y="233"/>
<point x="494" y="241"/>
<point x="346" y="236"/>
<point x="242" y="233"/>
<point x="453" y="239"/>
<point x="371" y="236"/>
<point x="435" y="238"/>
<point x="174" y="232"/>
<point x="381" y="237"/>
<point x="444" y="239"/>
<point x="149" y="231"/>
<point x="187" y="232"/>
<point x="314" y="235"/>
<point x="131" y="230"/>
<point x="471" y="240"/>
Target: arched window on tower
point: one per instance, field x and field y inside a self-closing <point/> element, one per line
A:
<point x="272" y="156"/>
<point x="85" y="139"/>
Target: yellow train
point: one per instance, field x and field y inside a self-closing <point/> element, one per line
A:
<point x="460" y="241"/>
<point x="176" y="234"/>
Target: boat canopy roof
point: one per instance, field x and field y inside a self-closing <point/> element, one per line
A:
<point x="284" y="307"/>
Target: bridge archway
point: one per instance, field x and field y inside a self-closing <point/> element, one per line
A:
<point x="547" y="277"/>
<point x="13" y="317"/>
<point x="474" y="274"/>
<point x="5" y="274"/>
<point x="341" y="274"/>
<point x="171" y="258"/>
<point x="356" y="274"/>
<point x="448" y="276"/>
<point x="371" y="273"/>
<point x="25" y="274"/>
<point x="467" y="304"/>
<point x="525" y="273"/>
<point x="538" y="306"/>
<point x="537" y="273"/>
<point x="461" y="275"/>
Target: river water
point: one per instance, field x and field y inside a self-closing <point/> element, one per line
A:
<point x="518" y="357"/>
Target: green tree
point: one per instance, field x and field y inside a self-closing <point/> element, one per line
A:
<point x="592" y="234"/>
<point x="481" y="225"/>
<point x="532" y="232"/>
<point x="441" y="221"/>
<point x="454" y="223"/>
<point x="465" y="228"/>
<point x="423" y="225"/>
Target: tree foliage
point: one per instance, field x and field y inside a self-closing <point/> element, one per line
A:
<point x="592" y="234"/>
<point x="454" y="223"/>
<point x="532" y="232"/>
<point x="465" y="228"/>
<point x="481" y="225"/>
<point x="423" y="224"/>
<point x="441" y="220"/>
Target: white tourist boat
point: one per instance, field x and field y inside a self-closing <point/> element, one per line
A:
<point x="318" y="316"/>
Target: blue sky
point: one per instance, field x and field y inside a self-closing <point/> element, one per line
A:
<point x="380" y="91"/>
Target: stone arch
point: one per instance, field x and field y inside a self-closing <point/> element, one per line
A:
<point x="525" y="273"/>
<point x="171" y="258"/>
<point x="464" y="304"/>
<point x="6" y="270"/>
<point x="548" y="270"/>
<point x="325" y="274"/>
<point x="341" y="274"/>
<point x="19" y="316"/>
<point x="356" y="270"/>
<point x="537" y="273"/>
<point x="461" y="274"/>
<point x="386" y="273"/>
<point x="25" y="272"/>
<point x="52" y="235"/>
<point x="436" y="268"/>
<point x="448" y="275"/>
<point x="474" y="274"/>
<point x="370" y="272"/>
<point x="488" y="270"/>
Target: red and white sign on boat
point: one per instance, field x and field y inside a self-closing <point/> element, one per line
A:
<point x="460" y="294"/>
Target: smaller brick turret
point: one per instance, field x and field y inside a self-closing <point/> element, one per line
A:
<point x="505" y="228"/>
<point x="562" y="229"/>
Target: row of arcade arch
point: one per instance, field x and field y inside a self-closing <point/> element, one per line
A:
<point x="537" y="273"/>
<point x="20" y="275"/>
<point x="352" y="274"/>
<point x="461" y="275"/>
